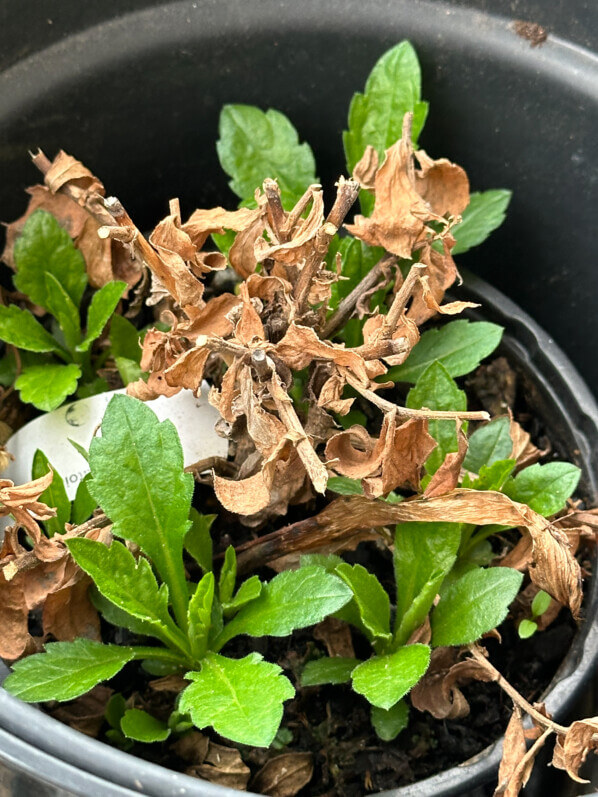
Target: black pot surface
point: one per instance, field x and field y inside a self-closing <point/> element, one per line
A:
<point x="137" y="99"/>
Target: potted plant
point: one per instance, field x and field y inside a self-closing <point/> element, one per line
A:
<point x="396" y="352"/>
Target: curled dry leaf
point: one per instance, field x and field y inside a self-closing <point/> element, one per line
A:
<point x="87" y="713"/>
<point x="223" y="766"/>
<point x="284" y="775"/>
<point x="554" y="568"/>
<point x="571" y="750"/>
<point x="438" y="691"/>
<point x="446" y="477"/>
<point x="336" y="636"/>
<point x="510" y="777"/>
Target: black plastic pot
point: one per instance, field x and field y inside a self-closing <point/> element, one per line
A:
<point x="137" y="99"/>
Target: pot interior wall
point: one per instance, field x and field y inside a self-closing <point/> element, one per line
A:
<point x="137" y="98"/>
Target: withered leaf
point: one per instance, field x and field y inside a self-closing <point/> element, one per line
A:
<point x="572" y="749"/>
<point x="442" y="184"/>
<point x="68" y="613"/>
<point x="284" y="775"/>
<point x="222" y="765"/>
<point x="446" y="477"/>
<point x="202" y="223"/>
<point x="513" y="750"/>
<point x="336" y="636"/>
<point x="86" y="714"/>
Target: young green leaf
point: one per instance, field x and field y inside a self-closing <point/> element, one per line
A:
<point x="527" y="628"/>
<point x="240" y="698"/>
<point x="488" y="444"/>
<point x="493" y="477"/>
<point x="545" y="488"/>
<point x="540" y="603"/>
<point x="130" y="585"/>
<point x="125" y="339"/>
<point x="8" y="369"/>
<point x="423" y="554"/>
<point x="47" y="386"/>
<point x="388" y="723"/>
<point x="459" y="345"/>
<point x="19" y="328"/>
<point x="333" y="670"/>
<point x="474" y="604"/>
<point x="103" y="304"/>
<point x="138" y="480"/>
<point x="198" y="541"/>
<point x="384" y="680"/>
<point x="228" y="575"/>
<point x="54" y="496"/>
<point x="370" y="598"/>
<point x="200" y="615"/>
<point x="484" y="214"/>
<point x="343" y="485"/>
<point x="293" y="599"/>
<point x="84" y="505"/>
<point x="254" y="144"/>
<point x="60" y="304"/>
<point x="247" y="592"/>
<point x="142" y="727"/>
<point x="329" y="561"/>
<point x="66" y="670"/>
<point x="46" y="248"/>
<point x="437" y="391"/>
<point x="393" y="88"/>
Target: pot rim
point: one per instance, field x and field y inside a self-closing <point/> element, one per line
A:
<point x="36" y="743"/>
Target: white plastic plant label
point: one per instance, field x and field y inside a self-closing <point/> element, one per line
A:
<point x="193" y="417"/>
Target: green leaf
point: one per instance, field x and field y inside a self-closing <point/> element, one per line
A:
<point x="293" y="599"/>
<point x="247" y="592"/>
<point x="343" y="485"/>
<point x="240" y="698"/>
<point x="60" y="304"/>
<point x="435" y="390"/>
<point x="128" y="584"/>
<point x="384" y="680"/>
<point x="544" y="488"/>
<point x="93" y="388"/>
<point x="46" y="248"/>
<point x="484" y="214"/>
<point x="84" y="505"/>
<point x="198" y="541"/>
<point x="335" y="670"/>
<point x="102" y="306"/>
<point x="493" y="477"/>
<point x="47" y="386"/>
<point x="370" y="598"/>
<point x="142" y="727"/>
<point x="488" y="444"/>
<point x="199" y="617"/>
<point x="423" y="555"/>
<point x="474" y="604"/>
<point x="388" y="723"/>
<point x="125" y="339"/>
<point x="115" y="709"/>
<point x="66" y="670"/>
<point x="459" y="345"/>
<point x="329" y="561"/>
<point x="121" y="619"/>
<point x="228" y="575"/>
<point x="357" y="260"/>
<point x="129" y="370"/>
<point x="393" y="88"/>
<point x="540" y="603"/>
<point x="254" y="144"/>
<point x="19" y="328"/>
<point x="55" y="496"/>
<point x="527" y="628"/>
<point x="138" y="480"/>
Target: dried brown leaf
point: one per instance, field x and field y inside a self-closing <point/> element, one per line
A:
<point x="86" y="714"/>
<point x="442" y="184"/>
<point x="212" y="318"/>
<point x="66" y="169"/>
<point x="13" y="618"/>
<point x="284" y="775"/>
<point x="572" y="749"/>
<point x="446" y="477"/>
<point x="241" y="254"/>
<point x="366" y="168"/>
<point x="224" y="766"/>
<point x="441" y="273"/>
<point x="175" y="249"/>
<point x="336" y="636"/>
<point x="513" y="750"/>
<point x="69" y="614"/>
<point x="202" y="223"/>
